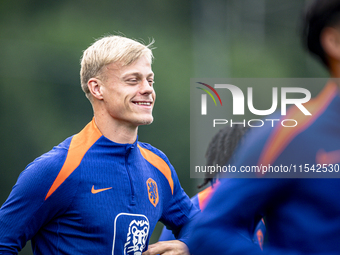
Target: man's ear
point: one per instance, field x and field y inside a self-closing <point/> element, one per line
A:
<point x="330" y="41"/>
<point x="95" y="87"/>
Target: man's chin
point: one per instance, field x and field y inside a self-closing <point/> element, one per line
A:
<point x="147" y="121"/>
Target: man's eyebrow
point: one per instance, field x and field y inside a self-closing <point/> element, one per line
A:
<point x="137" y="74"/>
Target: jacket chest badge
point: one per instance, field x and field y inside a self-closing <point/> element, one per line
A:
<point x="152" y="191"/>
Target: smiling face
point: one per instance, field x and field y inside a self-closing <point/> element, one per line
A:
<point x="126" y="93"/>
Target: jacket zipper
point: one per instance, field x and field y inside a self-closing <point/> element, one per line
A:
<point x="129" y="176"/>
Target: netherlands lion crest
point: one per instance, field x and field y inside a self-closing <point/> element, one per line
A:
<point x="136" y="238"/>
<point x="135" y="228"/>
<point x="152" y="191"/>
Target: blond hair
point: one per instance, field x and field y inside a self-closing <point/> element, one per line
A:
<point x="107" y="50"/>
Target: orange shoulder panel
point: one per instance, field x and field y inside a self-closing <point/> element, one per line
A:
<point x="282" y="136"/>
<point x="79" y="145"/>
<point x="205" y="195"/>
<point x="159" y="163"/>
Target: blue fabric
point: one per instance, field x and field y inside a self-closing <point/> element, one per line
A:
<point x="119" y="219"/>
<point x="257" y="237"/>
<point x="167" y="234"/>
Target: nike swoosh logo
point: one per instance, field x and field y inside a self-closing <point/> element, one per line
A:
<point x="95" y="191"/>
<point x="331" y="157"/>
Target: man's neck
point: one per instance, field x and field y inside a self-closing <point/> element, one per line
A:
<point x="114" y="131"/>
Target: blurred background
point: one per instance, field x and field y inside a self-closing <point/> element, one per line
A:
<point x="41" y="43"/>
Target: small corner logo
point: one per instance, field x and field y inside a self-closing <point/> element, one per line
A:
<point x="152" y="191"/>
<point x="95" y="191"/>
<point x="204" y="97"/>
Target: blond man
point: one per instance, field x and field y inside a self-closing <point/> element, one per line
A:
<point x="101" y="191"/>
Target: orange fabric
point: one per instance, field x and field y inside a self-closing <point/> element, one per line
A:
<point x="205" y="195"/>
<point x="95" y="191"/>
<point x="159" y="163"/>
<point x="331" y="157"/>
<point x="260" y="238"/>
<point x="282" y="136"/>
<point x="79" y="145"/>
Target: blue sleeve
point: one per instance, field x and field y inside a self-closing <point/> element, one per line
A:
<point x="167" y="234"/>
<point x="258" y="236"/>
<point x="26" y="210"/>
<point x="229" y="220"/>
<point x="179" y="211"/>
